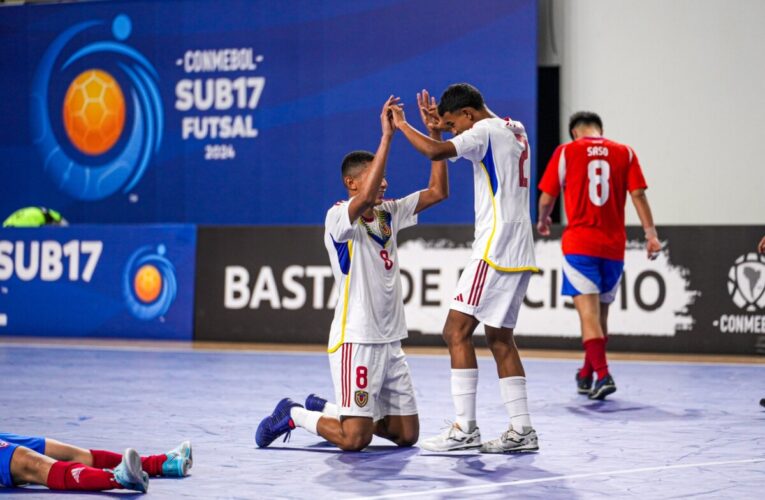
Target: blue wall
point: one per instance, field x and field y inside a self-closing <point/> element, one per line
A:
<point x="324" y="69"/>
<point x="98" y="281"/>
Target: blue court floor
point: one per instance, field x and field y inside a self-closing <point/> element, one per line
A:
<point x="673" y="430"/>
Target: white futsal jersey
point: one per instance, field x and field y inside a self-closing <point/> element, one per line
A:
<point x="364" y="258"/>
<point x="499" y="150"/>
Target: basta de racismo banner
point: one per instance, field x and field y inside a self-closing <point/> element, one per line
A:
<point x="704" y="294"/>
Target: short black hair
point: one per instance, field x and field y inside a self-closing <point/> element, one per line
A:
<point x="584" y="118"/>
<point x="355" y="159"/>
<point x="458" y="96"/>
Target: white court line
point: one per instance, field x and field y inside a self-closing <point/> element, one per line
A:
<point x="247" y="351"/>
<point x="560" y="478"/>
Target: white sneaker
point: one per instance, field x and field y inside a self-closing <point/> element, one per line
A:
<point x="453" y="439"/>
<point x="512" y="441"/>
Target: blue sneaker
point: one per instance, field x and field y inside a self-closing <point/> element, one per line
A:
<point x="276" y="424"/>
<point x="583" y="384"/>
<point x="603" y="387"/>
<point x="315" y="403"/>
<point x="129" y="472"/>
<point x="179" y="461"/>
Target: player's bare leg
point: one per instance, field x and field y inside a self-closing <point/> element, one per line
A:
<point x="584" y="374"/>
<point x="458" y="335"/>
<point x="464" y="433"/>
<point x="593" y="317"/>
<point x="347" y="433"/>
<point x="520" y="436"/>
<point x="404" y="430"/>
<point x="175" y="463"/>
<point x="502" y="345"/>
<point x="28" y="466"/>
<point x="67" y="452"/>
<point x="355" y="433"/>
<point x="588" y="307"/>
<point x="604" y="319"/>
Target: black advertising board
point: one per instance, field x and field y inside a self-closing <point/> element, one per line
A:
<point x="704" y="294"/>
<point x="262" y="284"/>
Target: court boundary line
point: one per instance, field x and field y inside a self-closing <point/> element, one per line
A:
<point x="248" y="351"/>
<point x="564" y="477"/>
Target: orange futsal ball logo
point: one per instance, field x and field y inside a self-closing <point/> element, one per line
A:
<point x="94" y="112"/>
<point x="147" y="284"/>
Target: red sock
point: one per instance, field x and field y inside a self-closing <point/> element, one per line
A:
<point x="151" y="465"/>
<point x="595" y="351"/>
<point x="105" y="459"/>
<point x="76" y="476"/>
<point x="586" y="369"/>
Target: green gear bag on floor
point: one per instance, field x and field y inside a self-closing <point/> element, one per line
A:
<point x="34" y="217"/>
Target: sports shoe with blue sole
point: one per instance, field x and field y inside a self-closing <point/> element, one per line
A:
<point x="603" y="388"/>
<point x="276" y="424"/>
<point x="315" y="403"/>
<point x="179" y="461"/>
<point x="130" y="474"/>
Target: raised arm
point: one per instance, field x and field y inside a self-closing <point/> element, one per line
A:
<point x="365" y="198"/>
<point x="546" y="204"/>
<point x="438" y="186"/>
<point x="435" y="149"/>
<point x="640" y="200"/>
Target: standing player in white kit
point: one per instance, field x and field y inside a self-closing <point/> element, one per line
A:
<point x="494" y="282"/>
<point x="373" y="387"/>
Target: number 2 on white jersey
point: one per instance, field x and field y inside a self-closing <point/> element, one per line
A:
<point x="523" y="181"/>
<point x="598" y="171"/>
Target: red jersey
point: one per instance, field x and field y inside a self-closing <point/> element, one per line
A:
<point x="595" y="174"/>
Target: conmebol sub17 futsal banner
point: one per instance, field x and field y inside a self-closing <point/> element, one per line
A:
<point x="98" y="281"/>
<point x="238" y="111"/>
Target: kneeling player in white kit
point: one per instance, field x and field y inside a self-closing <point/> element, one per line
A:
<point x="373" y="387"/>
<point x="494" y="282"/>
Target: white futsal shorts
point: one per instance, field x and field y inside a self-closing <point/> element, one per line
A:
<point x="372" y="380"/>
<point x="492" y="297"/>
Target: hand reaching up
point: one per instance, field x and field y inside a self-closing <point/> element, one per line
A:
<point x="386" y="117"/>
<point x="429" y="112"/>
<point x="397" y="113"/>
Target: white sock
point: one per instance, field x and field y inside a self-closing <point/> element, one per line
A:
<point x="513" y="390"/>
<point x="306" y="419"/>
<point x="330" y="410"/>
<point x="464" y="385"/>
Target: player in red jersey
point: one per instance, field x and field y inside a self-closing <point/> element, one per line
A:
<point x="595" y="175"/>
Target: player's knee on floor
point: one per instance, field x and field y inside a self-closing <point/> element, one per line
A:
<point x="356" y="442"/>
<point x="408" y="439"/>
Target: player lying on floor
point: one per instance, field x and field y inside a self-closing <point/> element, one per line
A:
<point x="373" y="387"/>
<point x="62" y="466"/>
